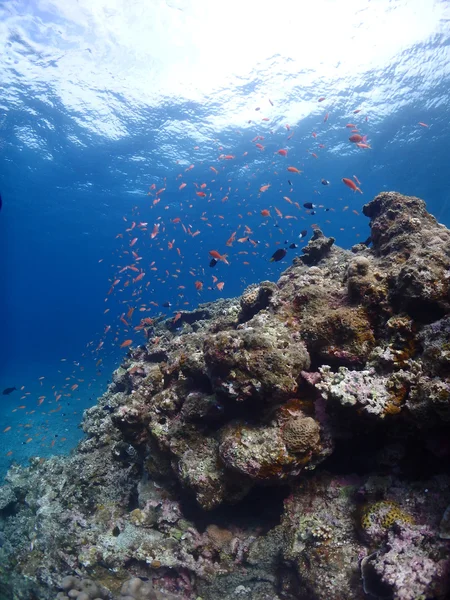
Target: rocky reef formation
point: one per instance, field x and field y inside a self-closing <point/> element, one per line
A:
<point x="289" y="444"/>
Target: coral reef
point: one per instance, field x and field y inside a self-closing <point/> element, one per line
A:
<point x="291" y="444"/>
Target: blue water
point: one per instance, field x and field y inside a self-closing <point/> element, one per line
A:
<point x="99" y="102"/>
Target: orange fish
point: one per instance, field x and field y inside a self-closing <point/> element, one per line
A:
<point x="139" y="277"/>
<point x="214" y="170"/>
<point x="264" y="188"/>
<point x="293" y="170"/>
<point x="231" y="239"/>
<point x="356" y="138"/>
<point x="350" y="125"/>
<point x="198" y="285"/>
<point x="325" y="119"/>
<point x="155" y="231"/>
<point x="126" y="343"/>
<point x="282" y="152"/>
<point x="229" y="157"/>
<point x="423" y="124"/>
<point x="220" y="285"/>
<point x="351" y="184"/>
<point x="201" y="194"/>
<point x="74" y="387"/>
<point x="6" y="429"/>
<point x="321" y="99"/>
<point x="217" y="256"/>
<point x="183" y="185"/>
<point x="265" y="212"/>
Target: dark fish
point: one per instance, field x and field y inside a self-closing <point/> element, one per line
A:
<point x="289" y="182"/>
<point x="325" y="182"/>
<point x="278" y="255"/>
<point x="167" y="304"/>
<point x="368" y="241"/>
<point x="292" y="246"/>
<point x="309" y="205"/>
<point x="303" y="233"/>
<point x="8" y="391"/>
<point x="313" y="212"/>
<point x="213" y="262"/>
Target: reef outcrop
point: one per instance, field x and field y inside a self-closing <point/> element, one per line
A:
<point x="291" y="444"/>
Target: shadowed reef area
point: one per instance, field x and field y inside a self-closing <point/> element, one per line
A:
<point x="291" y="444"/>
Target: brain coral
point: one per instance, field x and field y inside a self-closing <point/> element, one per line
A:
<point x="301" y="434"/>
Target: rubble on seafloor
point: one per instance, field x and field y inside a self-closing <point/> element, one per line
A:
<point x="289" y="444"/>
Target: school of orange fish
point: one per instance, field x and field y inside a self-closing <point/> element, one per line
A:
<point x="165" y="239"/>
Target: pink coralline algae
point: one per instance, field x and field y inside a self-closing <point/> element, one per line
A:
<point x="291" y="444"/>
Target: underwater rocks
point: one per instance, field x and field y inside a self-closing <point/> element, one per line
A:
<point x="291" y="444"/>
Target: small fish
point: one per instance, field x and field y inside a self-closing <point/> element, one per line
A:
<point x="222" y="257"/>
<point x="309" y="205"/>
<point x="167" y="304"/>
<point x="265" y="212"/>
<point x="303" y="233"/>
<point x="278" y="255"/>
<point x="293" y="170"/>
<point x="8" y="391"/>
<point x="264" y="188"/>
<point x="213" y="262"/>
<point x="324" y="182"/>
<point x="1" y="202"/>
<point x="289" y="182"/>
<point x="351" y="184"/>
<point x="220" y="285"/>
<point x="321" y="99"/>
<point x="292" y="246"/>
<point x="126" y="343"/>
<point x="423" y="124"/>
<point x="282" y="152"/>
<point x="357" y="139"/>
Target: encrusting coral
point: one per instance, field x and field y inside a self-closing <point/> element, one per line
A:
<point x="286" y="445"/>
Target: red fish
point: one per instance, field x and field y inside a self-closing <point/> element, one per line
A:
<point x="356" y="138"/>
<point x="264" y="188"/>
<point x="293" y="170"/>
<point x="126" y="343"/>
<point x="265" y="212"/>
<point x="351" y="184"/>
<point x="217" y="256"/>
<point x="282" y="152"/>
